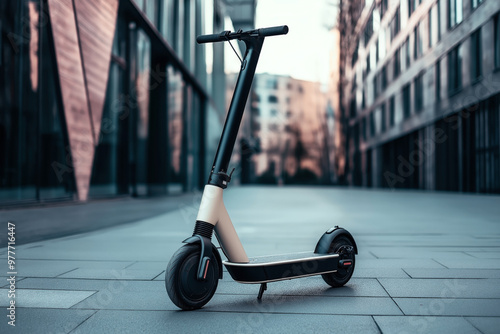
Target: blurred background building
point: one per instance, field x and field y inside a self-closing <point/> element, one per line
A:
<point x="420" y="86"/>
<point x="106" y="98"/>
<point x="288" y="132"/>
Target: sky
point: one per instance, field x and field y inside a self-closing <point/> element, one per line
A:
<point x="304" y="52"/>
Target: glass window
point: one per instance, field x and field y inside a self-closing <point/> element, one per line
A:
<point x="497" y="41"/>
<point x="411" y="7"/>
<point x="455" y="12"/>
<point x="396" y="23"/>
<point x="352" y="108"/>
<point x="407" y="53"/>
<point x="363" y="100"/>
<point x="368" y="64"/>
<point x="372" y="124"/>
<point x="384" y="77"/>
<point x="439" y="20"/>
<point x="419" y="92"/>
<point x="272" y="83"/>
<point x="272" y="99"/>
<point x="18" y="116"/>
<point x="392" y="111"/>
<point x="175" y="129"/>
<point x="475" y="3"/>
<point x="373" y="54"/>
<point x="35" y="159"/>
<point x="397" y="63"/>
<point x="438" y="80"/>
<point x="417" y="42"/>
<point x="142" y="86"/>
<point x="383" y="118"/>
<point x="429" y="21"/>
<point x="169" y="20"/>
<point x="368" y="31"/>
<point x="476" y="53"/>
<point x="383" y="7"/>
<point x="110" y="160"/>
<point x="406" y="101"/>
<point x="363" y="128"/>
<point x="455" y="70"/>
<point x="375" y="87"/>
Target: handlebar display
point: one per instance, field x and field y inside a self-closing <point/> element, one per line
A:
<point x="227" y="35"/>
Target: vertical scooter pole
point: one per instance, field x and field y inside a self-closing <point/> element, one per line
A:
<point x="218" y="175"/>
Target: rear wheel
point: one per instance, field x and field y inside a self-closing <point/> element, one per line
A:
<point x="343" y="246"/>
<point x="183" y="288"/>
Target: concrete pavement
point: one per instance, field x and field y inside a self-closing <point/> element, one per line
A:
<point x="428" y="263"/>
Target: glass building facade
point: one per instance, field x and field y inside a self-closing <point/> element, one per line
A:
<point x="106" y="100"/>
<point x="439" y="60"/>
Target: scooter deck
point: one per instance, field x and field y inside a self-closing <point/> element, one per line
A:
<point x="273" y="268"/>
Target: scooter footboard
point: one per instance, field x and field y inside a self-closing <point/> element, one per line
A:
<point x="282" y="267"/>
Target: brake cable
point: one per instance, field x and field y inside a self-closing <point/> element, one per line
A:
<point x="232" y="47"/>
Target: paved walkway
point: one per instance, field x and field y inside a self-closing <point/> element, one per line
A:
<point x="428" y="263"/>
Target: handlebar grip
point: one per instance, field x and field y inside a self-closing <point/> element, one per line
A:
<point x="273" y="31"/>
<point x="210" y="38"/>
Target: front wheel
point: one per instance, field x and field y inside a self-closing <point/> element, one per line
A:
<point x="183" y="288"/>
<point x="343" y="246"/>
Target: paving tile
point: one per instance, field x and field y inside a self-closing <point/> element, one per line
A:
<point x="44" y="269"/>
<point x="222" y="322"/>
<point x="470" y="263"/>
<point x="414" y="253"/>
<point x="447" y="288"/>
<point x="379" y="272"/>
<point x="29" y="263"/>
<point x="428" y="325"/>
<point x="159" y="300"/>
<point x="484" y="255"/>
<point x="449" y="306"/>
<point x="487" y="325"/>
<point x="397" y="263"/>
<point x="314" y="286"/>
<point x="453" y="273"/>
<point x="90" y="284"/>
<point x="45" y="298"/>
<point x="6" y="284"/>
<point x="149" y="265"/>
<point x="161" y="276"/>
<point x="127" y="274"/>
<point x="39" y="320"/>
<point x="304" y="304"/>
<point x="129" y="300"/>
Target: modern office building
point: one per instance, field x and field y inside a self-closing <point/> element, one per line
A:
<point x="421" y="94"/>
<point x="108" y="98"/>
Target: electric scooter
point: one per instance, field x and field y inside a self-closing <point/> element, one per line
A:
<point x="193" y="272"/>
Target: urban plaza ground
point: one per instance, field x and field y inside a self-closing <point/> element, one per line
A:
<point x="428" y="263"/>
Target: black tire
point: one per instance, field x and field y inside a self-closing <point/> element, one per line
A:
<point x="183" y="288"/>
<point x="342" y="275"/>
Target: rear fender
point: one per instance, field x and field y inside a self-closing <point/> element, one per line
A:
<point x="327" y="238"/>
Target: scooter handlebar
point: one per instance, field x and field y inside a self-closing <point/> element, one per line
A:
<point x="273" y="31"/>
<point x="227" y="35"/>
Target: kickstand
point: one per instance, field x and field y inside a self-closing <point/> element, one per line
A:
<point x="263" y="287"/>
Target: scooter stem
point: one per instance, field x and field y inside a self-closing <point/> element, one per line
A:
<point x="218" y="175"/>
